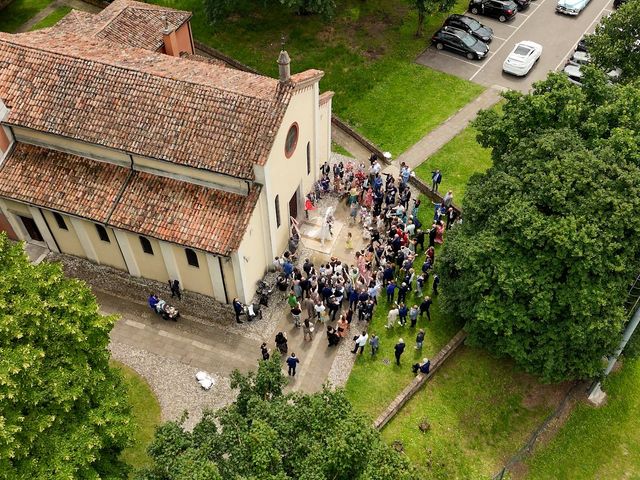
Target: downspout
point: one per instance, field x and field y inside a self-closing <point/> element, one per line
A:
<point x="224" y="283"/>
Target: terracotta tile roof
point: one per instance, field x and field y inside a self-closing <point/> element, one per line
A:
<point x="192" y="113"/>
<point x="204" y="218"/>
<point x="137" y="24"/>
<point x="187" y="214"/>
<point x="61" y="181"/>
<point x="76" y="21"/>
<point x="325" y="97"/>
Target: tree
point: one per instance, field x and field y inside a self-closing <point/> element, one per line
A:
<point x="616" y="42"/>
<point x="217" y="10"/>
<point x="63" y="411"/>
<point x="429" y="7"/>
<point x="540" y="268"/>
<point x="268" y="435"/>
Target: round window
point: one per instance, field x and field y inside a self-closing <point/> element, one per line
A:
<point x="291" y="141"/>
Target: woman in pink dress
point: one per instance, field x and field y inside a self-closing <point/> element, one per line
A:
<point x="439" y="231"/>
<point x="368" y="199"/>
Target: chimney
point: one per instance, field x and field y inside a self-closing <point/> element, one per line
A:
<point x="284" y="63"/>
<point x="170" y="39"/>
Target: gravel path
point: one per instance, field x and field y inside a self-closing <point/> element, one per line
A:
<point x="174" y="384"/>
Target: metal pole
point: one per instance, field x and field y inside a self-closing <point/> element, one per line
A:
<point x="628" y="332"/>
<point x="631" y="326"/>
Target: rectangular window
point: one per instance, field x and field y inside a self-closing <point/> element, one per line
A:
<point x="192" y="257"/>
<point x="277" y="202"/>
<point x="60" y="221"/>
<point x="308" y="158"/>
<point x="102" y="233"/>
<point x="146" y="245"/>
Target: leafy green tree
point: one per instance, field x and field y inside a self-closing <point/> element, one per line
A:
<point x="429" y="7"/>
<point x="63" y="411"/>
<point x="616" y="42"/>
<point x="217" y="10"/>
<point x="540" y="267"/>
<point x="268" y="435"/>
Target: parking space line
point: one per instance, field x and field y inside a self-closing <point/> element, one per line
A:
<point x="447" y="54"/>
<point x="504" y="43"/>
<point x="499" y="38"/>
<point x="597" y="18"/>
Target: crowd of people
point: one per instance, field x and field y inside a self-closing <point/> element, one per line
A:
<point x="335" y="294"/>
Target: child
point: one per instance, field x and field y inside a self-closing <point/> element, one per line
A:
<point x="349" y="243"/>
<point x="419" y="339"/>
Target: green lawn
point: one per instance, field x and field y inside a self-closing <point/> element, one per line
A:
<point x="601" y="443"/>
<point x="146" y="413"/>
<point x="340" y="149"/>
<point x="367" y="54"/>
<point x="480" y="411"/>
<point x="375" y="382"/>
<point x="457" y="160"/>
<point x="18" y="12"/>
<point x="51" y="19"/>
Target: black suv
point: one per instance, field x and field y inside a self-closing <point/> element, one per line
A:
<point x="503" y="10"/>
<point x="460" y="42"/>
<point x="471" y="26"/>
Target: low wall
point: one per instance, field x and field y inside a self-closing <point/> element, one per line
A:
<point x="436" y="362"/>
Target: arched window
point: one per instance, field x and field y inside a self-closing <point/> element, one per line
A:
<point x="192" y="257"/>
<point x="277" y="211"/>
<point x="308" y="158"/>
<point x="102" y="233"/>
<point x="146" y="245"/>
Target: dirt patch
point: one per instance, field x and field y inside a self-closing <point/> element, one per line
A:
<point x="576" y="392"/>
<point x="540" y="395"/>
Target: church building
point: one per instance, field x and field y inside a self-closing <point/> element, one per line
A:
<point x="120" y="144"/>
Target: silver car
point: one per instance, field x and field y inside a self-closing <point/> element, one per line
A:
<point x="571" y="7"/>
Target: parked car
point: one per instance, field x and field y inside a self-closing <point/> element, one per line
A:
<point x="582" y="46"/>
<point x="574" y="72"/>
<point x="471" y="26"/>
<point x="522" y="4"/>
<point x="522" y="58"/>
<point x="580" y="57"/>
<point x="503" y="10"/>
<point x="617" y="3"/>
<point x="460" y="42"/>
<point x="571" y="7"/>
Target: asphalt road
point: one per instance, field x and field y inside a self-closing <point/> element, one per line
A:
<point x="558" y="35"/>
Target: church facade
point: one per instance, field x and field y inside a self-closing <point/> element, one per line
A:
<point x="121" y="145"/>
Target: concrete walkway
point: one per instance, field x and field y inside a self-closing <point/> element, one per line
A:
<point x="431" y="142"/>
<point x="436" y="139"/>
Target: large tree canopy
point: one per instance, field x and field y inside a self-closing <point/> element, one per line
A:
<point x="63" y="411"/>
<point x="266" y="435"/>
<point x="616" y="42"/>
<point x="429" y="7"/>
<point x="540" y="268"/>
<point x="217" y="10"/>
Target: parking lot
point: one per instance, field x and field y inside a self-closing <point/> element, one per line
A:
<point x="558" y="34"/>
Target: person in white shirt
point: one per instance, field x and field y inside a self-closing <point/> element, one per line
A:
<point x="361" y="342"/>
<point x="392" y="316"/>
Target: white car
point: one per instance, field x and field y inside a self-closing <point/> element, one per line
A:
<point x="522" y="58"/>
<point x="571" y="7"/>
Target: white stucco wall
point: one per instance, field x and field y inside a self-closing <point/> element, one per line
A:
<point x="282" y="176"/>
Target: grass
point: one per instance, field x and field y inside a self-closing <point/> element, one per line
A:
<point x="382" y="371"/>
<point x="18" y="12"/>
<point x="480" y="411"/>
<point x="146" y="413"/>
<point x="51" y="19"/>
<point x="457" y="160"/>
<point x="597" y="443"/>
<point x="366" y="51"/>
<point x="337" y="148"/>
